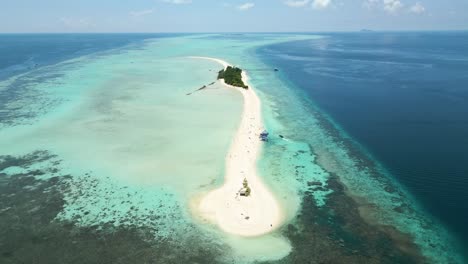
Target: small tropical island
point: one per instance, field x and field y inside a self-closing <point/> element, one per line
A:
<point x="232" y="76"/>
<point x="243" y="205"/>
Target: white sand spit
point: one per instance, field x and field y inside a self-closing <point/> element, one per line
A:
<point x="259" y="213"/>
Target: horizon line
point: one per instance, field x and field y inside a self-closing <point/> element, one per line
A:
<point x="364" y="30"/>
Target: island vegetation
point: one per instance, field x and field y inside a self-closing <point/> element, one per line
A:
<point x="232" y="76"/>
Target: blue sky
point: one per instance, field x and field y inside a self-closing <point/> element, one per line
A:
<point x="230" y="15"/>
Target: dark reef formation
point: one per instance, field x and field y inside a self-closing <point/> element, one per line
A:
<point x="29" y="232"/>
<point x="336" y="233"/>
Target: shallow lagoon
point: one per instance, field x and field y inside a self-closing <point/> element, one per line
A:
<point x="130" y="150"/>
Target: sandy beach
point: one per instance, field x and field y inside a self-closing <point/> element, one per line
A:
<point x="260" y="212"/>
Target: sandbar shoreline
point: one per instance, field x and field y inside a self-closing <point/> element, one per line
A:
<point x="259" y="213"/>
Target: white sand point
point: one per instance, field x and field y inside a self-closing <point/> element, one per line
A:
<point x="259" y="213"/>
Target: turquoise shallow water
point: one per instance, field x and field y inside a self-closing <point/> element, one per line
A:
<point x="132" y="149"/>
<point x="402" y="96"/>
<point x="315" y="147"/>
<point x="138" y="148"/>
<point x="396" y="85"/>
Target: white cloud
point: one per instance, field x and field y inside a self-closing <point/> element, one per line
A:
<point x="321" y="4"/>
<point x="141" y="13"/>
<point x="178" y="2"/>
<point x="369" y="4"/>
<point x="316" y="4"/>
<point x="246" y="6"/>
<point x="392" y="6"/>
<point x="293" y="3"/>
<point x="417" y="8"/>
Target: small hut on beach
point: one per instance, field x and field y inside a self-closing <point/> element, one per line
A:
<point x="243" y="192"/>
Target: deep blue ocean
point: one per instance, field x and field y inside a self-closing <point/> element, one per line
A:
<point x="403" y="97"/>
